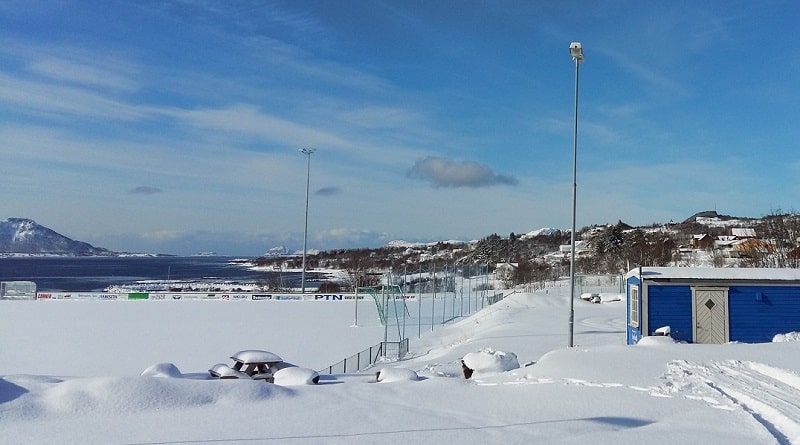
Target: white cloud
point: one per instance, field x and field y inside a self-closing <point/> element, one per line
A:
<point x="444" y="172"/>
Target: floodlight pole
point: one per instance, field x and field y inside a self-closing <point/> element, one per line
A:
<point x="308" y="152"/>
<point x="576" y="50"/>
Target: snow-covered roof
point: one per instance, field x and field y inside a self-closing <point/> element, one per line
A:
<point x="743" y="232"/>
<point x="713" y="273"/>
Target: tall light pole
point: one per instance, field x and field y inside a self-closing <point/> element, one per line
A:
<point x="308" y="152"/>
<point x="576" y="51"/>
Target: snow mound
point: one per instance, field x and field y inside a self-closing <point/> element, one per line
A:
<point x="789" y="336"/>
<point x="162" y="370"/>
<point x="126" y="395"/>
<point x="489" y="361"/>
<point x="609" y="297"/>
<point x="654" y="340"/>
<point x="296" y="376"/>
<point x="388" y="375"/>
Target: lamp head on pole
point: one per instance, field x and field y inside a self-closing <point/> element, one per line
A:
<point x="576" y="51"/>
<point x="307" y="151"/>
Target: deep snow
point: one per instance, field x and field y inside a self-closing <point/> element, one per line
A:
<point x="71" y="375"/>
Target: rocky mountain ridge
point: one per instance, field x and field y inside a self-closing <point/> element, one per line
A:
<point x="25" y="236"/>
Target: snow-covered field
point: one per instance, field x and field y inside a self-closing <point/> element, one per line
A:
<point x="70" y="374"/>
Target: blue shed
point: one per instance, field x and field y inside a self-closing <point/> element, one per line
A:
<point x="713" y="305"/>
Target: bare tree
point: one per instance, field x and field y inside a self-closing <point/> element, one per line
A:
<point x="781" y="232"/>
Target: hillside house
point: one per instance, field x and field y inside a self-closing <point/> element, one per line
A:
<point x="580" y="248"/>
<point x="743" y="232"/>
<point x="702" y="242"/>
<point x="505" y="271"/>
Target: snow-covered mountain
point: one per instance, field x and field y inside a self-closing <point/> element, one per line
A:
<point x="277" y="251"/>
<point x="539" y="232"/>
<point x="22" y="235"/>
<point x="408" y="244"/>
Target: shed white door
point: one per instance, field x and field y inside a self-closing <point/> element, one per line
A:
<point x="710" y="315"/>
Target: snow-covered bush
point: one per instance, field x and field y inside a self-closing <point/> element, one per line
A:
<point x="488" y="361"/>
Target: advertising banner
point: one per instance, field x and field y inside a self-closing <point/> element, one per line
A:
<point x="221" y="296"/>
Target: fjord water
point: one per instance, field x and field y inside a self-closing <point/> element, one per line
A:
<point x="96" y="273"/>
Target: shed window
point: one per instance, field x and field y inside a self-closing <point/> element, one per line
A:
<point x="634" y="308"/>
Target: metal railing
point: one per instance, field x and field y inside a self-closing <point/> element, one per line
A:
<point x="383" y="351"/>
<point x="495" y="298"/>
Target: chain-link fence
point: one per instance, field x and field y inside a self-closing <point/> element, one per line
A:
<point x="383" y="351"/>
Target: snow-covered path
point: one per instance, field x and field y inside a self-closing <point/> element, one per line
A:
<point x="769" y="394"/>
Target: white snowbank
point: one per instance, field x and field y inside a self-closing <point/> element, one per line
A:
<point x="489" y="361"/>
<point x="789" y="336"/>
<point x="296" y="376"/>
<point x="611" y="297"/>
<point x="656" y="340"/>
<point x="389" y="375"/>
<point x="162" y="370"/>
<point x="126" y="395"/>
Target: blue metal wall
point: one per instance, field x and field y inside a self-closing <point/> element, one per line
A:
<point x="758" y="313"/>
<point x="670" y="306"/>
<point x="634" y="333"/>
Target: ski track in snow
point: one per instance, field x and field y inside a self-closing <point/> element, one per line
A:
<point x="764" y="392"/>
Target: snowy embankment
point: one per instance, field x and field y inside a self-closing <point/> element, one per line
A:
<point x="599" y="392"/>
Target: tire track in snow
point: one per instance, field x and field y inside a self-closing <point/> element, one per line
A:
<point x="770" y="395"/>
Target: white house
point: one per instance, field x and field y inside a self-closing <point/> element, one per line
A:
<point x="580" y="248"/>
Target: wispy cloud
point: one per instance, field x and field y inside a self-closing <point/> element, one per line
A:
<point x="249" y="120"/>
<point x="51" y="99"/>
<point x="328" y="191"/>
<point x="381" y="117"/>
<point x="163" y="235"/>
<point x="646" y="73"/>
<point x="83" y="73"/>
<point x="350" y="237"/>
<point x="73" y="64"/>
<point x="145" y="190"/>
<point x="444" y="172"/>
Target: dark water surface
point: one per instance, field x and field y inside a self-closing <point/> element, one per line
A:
<point x="96" y="273"/>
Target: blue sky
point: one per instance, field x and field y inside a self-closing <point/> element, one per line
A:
<point x="174" y="126"/>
